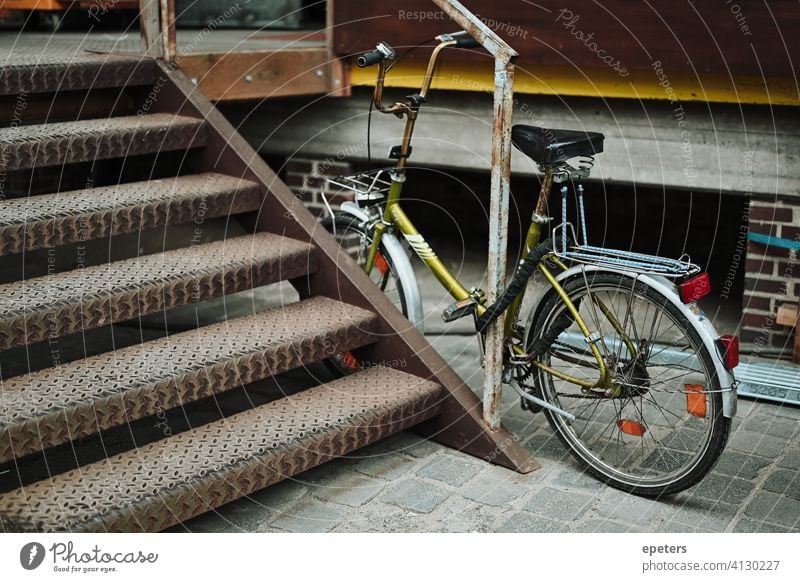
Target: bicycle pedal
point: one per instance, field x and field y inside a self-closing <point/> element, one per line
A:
<point x="460" y="309"/>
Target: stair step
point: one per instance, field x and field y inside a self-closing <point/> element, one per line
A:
<point x="172" y="480"/>
<point x="54" y="144"/>
<point x="55" y="219"/>
<point x="55" y="305"/>
<point x="56" y="405"/>
<point x="36" y="73"/>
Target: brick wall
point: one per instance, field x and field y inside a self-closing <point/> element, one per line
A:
<point x="307" y="179"/>
<point x="771" y="275"/>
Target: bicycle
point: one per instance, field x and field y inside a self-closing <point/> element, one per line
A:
<point x="615" y="352"/>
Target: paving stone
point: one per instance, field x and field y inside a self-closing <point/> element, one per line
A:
<point x="576" y="478"/>
<point x="377" y="517"/>
<point x="348" y="488"/>
<point x="524" y="522"/>
<point x="747" y="441"/>
<point x="388" y="466"/>
<point x="723" y="488"/>
<point x="791" y="460"/>
<point x="450" y="469"/>
<point x="310" y="516"/>
<point x="493" y="490"/>
<point x="771" y="424"/>
<point x="250" y="512"/>
<point x="626" y="508"/>
<point x="423" y="448"/>
<point x="415" y="495"/>
<point x="601" y="526"/>
<point x="548" y="446"/>
<point x="774" y="508"/>
<point x="459" y="515"/>
<point x="695" y="511"/>
<point x="560" y="505"/>
<point x="742" y="465"/>
<point x="784" y="481"/>
<point x="745" y="525"/>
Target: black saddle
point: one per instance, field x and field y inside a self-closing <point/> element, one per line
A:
<point x="554" y="146"/>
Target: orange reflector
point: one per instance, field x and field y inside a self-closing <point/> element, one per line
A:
<point x="381" y="264"/>
<point x="350" y="361"/>
<point x="631" y="427"/>
<point x="696" y="400"/>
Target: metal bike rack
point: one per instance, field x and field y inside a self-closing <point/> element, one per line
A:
<point x="504" y="57"/>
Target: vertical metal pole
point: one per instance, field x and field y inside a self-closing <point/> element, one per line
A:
<point x="168" y="29"/>
<point x="150" y="28"/>
<point x="498" y="235"/>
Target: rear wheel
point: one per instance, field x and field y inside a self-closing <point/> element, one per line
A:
<point x="658" y="429"/>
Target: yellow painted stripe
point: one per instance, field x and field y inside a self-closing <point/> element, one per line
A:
<point x="592" y="83"/>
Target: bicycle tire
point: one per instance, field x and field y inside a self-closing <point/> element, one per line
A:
<point x="347" y="228"/>
<point x="595" y="457"/>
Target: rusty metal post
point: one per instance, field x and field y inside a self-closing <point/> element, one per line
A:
<point x="498" y="208"/>
<point x="168" y="30"/>
<point x="498" y="235"/>
<point x="150" y="28"/>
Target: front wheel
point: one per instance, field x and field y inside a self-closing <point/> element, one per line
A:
<point x="658" y="427"/>
<point x="398" y="285"/>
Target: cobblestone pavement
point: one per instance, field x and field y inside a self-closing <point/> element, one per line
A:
<point x="407" y="484"/>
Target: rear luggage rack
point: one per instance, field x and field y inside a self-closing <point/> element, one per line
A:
<point x="583" y="252"/>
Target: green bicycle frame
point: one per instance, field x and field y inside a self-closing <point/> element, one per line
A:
<point x="395" y="218"/>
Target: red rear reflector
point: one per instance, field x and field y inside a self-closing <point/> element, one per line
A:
<point x="695" y="400"/>
<point x="381" y="263"/>
<point x="729" y="350"/>
<point x="631" y="427"/>
<point x="350" y="361"/>
<point x="695" y="288"/>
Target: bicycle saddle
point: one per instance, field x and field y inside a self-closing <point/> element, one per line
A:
<point x="554" y="146"/>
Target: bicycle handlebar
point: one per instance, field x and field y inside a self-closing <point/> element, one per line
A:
<point x="462" y="38"/>
<point x="383" y="52"/>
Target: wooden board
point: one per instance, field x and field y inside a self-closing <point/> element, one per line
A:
<point x="258" y="75"/>
<point x="743" y="38"/>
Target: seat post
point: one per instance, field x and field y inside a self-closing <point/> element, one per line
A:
<point x="544" y="193"/>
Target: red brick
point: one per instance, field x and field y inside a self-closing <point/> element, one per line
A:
<point x="770" y="213"/>
<point x="789" y="270"/>
<point x="758" y="321"/>
<point x="751" y="302"/>
<point x="759" y="266"/>
<point x="756" y="249"/>
<point x="765" y="285"/>
<point x="295" y="181"/>
<point x="764" y="228"/>
<point x="790" y="232"/>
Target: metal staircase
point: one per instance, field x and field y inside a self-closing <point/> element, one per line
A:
<point x="163" y="482"/>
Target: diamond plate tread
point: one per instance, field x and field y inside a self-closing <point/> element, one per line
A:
<point x="54" y="144"/>
<point x="172" y="480"/>
<point x="56" y="219"/>
<point x="40" y="74"/>
<point x="55" y="305"/>
<point x="57" y="405"/>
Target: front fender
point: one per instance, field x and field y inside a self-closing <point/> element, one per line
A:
<point x="402" y="264"/>
<point x="693" y="313"/>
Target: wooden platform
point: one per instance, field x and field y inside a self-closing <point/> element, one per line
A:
<point x="228" y="65"/>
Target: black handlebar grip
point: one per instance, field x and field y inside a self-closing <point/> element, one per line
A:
<point x="466" y="41"/>
<point x="370" y="58"/>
